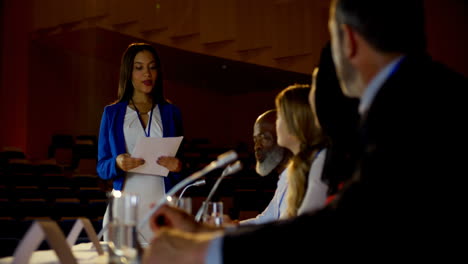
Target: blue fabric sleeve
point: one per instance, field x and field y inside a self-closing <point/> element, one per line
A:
<point x="214" y="254"/>
<point x="106" y="167"/>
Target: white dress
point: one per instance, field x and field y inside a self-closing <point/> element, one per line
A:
<point x="150" y="188"/>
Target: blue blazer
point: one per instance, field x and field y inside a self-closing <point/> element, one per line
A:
<point x="112" y="141"/>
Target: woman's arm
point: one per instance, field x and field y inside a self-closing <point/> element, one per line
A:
<point x="106" y="165"/>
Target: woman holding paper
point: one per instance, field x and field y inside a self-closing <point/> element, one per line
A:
<point x="140" y="111"/>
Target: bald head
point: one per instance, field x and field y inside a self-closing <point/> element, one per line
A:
<point x="267" y="152"/>
<point x="265" y="123"/>
<point x="268" y="117"/>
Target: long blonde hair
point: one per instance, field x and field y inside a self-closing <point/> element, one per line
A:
<point x="293" y="104"/>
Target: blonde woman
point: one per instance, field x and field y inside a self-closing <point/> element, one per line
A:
<point x="298" y="130"/>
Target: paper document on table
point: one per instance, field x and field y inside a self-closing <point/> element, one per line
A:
<point x="150" y="149"/>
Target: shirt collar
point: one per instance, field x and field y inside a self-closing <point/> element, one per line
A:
<point x="376" y="83"/>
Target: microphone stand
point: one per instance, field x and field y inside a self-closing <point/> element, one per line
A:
<point x="222" y="160"/>
<point x="197" y="183"/>
<point x="233" y="168"/>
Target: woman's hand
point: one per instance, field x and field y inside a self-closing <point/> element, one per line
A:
<point x="126" y="163"/>
<point x="173" y="164"/>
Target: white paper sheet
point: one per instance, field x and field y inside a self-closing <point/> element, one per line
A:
<point x="150" y="149"/>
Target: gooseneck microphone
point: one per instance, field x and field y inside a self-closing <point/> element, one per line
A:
<point x="221" y="161"/>
<point x="197" y="183"/>
<point x="230" y="169"/>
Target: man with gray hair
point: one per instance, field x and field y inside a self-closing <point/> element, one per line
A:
<point x="271" y="159"/>
<point x="269" y="156"/>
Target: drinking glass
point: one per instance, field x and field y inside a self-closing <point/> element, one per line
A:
<point x="213" y="213"/>
<point x="184" y="203"/>
<point x="123" y="243"/>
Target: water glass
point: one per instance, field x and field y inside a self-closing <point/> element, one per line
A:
<point x="213" y="213"/>
<point x="123" y="243"/>
<point x="184" y="203"/>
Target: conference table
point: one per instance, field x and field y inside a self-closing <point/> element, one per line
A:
<point x="84" y="253"/>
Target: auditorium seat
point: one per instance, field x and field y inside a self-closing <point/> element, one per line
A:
<point x="53" y="193"/>
<point x="27" y="191"/>
<point x="67" y="223"/>
<point x="32" y="207"/>
<point x="84" y="180"/>
<point x="8" y="153"/>
<point x="96" y="208"/>
<point x="86" y="166"/>
<point x="7" y="208"/>
<point x="55" y="180"/>
<point x="48" y="166"/>
<point x="61" y="149"/>
<point x="67" y="207"/>
<point x="86" y="194"/>
<point x="21" y="171"/>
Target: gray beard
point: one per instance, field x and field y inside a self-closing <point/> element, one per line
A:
<point x="271" y="161"/>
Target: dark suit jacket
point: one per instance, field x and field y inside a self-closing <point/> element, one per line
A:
<point x="406" y="197"/>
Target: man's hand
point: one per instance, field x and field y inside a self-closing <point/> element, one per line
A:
<point x="169" y="216"/>
<point x="174" y="246"/>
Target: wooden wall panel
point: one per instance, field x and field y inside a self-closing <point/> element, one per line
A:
<point x="317" y="29"/>
<point x="297" y="25"/>
<point x="46" y="14"/>
<point x="274" y="33"/>
<point x="186" y="18"/>
<point x="322" y="10"/>
<point x="123" y="11"/>
<point x="73" y="11"/>
<point x="254" y="24"/>
<point x="96" y="8"/>
<point x="154" y="15"/>
<point x="217" y="20"/>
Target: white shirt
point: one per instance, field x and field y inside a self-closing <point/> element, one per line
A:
<point x="316" y="193"/>
<point x="277" y="204"/>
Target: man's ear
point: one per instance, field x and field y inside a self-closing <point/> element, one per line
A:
<point x="349" y="41"/>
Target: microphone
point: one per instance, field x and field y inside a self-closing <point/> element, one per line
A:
<point x="221" y="161"/>
<point x="231" y="169"/>
<point x="197" y="183"/>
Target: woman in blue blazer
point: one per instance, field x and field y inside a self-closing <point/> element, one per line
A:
<point x="140" y="111"/>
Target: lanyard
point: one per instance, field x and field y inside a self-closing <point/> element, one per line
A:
<point x="147" y="134"/>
